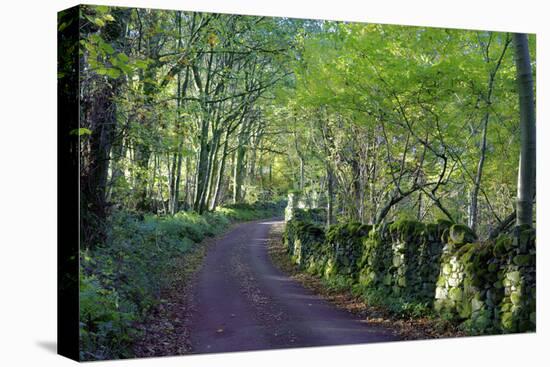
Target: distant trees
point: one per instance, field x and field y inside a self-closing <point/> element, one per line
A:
<point x="187" y="111"/>
<point x="422" y="123"/>
<point x="485" y="100"/>
<point x="171" y="106"/>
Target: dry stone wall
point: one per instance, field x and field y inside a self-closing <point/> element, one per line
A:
<point x="487" y="286"/>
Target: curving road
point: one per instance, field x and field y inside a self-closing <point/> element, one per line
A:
<point x="242" y="302"/>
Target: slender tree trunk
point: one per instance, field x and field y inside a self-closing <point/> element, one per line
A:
<point x="238" y="175"/>
<point x="419" y="213"/>
<point x="177" y="186"/>
<point x="211" y="169"/>
<point x="238" y="171"/>
<point x="160" y="193"/>
<point x="118" y="152"/>
<point x="473" y="210"/>
<point x="527" y="158"/>
<point x="174" y="174"/>
<point x="172" y="182"/>
<point x="330" y="196"/>
<point x="187" y="184"/>
<point x="221" y="169"/>
<point x="302" y="173"/>
<point x="356" y="177"/>
<point x="143" y="155"/>
<point x="251" y="157"/>
<point x="182" y="91"/>
<point x="202" y="165"/>
<point x="173" y="199"/>
<point x="472" y="220"/>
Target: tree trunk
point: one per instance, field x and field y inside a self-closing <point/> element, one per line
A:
<point x="221" y="169"/>
<point x="143" y="154"/>
<point x="238" y="175"/>
<point x="473" y="210"/>
<point x="419" y="212"/>
<point x="356" y="177"/>
<point x="202" y="166"/>
<point x="118" y="152"/>
<point x="187" y="184"/>
<point x="212" y="166"/>
<point x="302" y="175"/>
<point x="330" y="196"/>
<point x="238" y="171"/>
<point x="99" y="112"/>
<point x="472" y="219"/>
<point x="102" y="118"/>
<point x="174" y="185"/>
<point x="527" y="158"/>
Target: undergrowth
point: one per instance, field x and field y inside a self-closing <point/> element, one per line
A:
<point x="401" y="307"/>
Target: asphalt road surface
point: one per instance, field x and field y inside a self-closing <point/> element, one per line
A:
<point x="242" y="302"/>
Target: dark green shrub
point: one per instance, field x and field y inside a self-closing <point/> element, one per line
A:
<point x="317" y="215"/>
<point x="258" y="210"/>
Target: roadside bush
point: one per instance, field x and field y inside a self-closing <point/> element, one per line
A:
<point x="258" y="210"/>
<point x="105" y="322"/>
<point x="400" y="306"/>
<point x="316" y="215"/>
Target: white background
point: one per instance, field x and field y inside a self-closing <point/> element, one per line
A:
<point x="28" y="182"/>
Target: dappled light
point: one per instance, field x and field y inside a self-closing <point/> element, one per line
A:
<point x="397" y="164"/>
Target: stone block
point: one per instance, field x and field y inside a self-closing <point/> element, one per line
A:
<point x="513" y="276"/>
<point x="456" y="294"/>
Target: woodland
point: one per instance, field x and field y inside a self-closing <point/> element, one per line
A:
<point x="189" y="121"/>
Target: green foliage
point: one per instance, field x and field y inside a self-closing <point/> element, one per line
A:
<point x="257" y="210"/>
<point x="407" y="229"/>
<point x="338" y="283"/>
<point x="380" y="123"/>
<point x="399" y="306"/>
<point x="401" y="94"/>
<point x="81" y="131"/>
<point x="105" y="321"/>
<point x="316" y="215"/>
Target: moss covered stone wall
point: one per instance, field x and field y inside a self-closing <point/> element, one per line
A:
<point x="489" y="285"/>
<point x="486" y="286"/>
